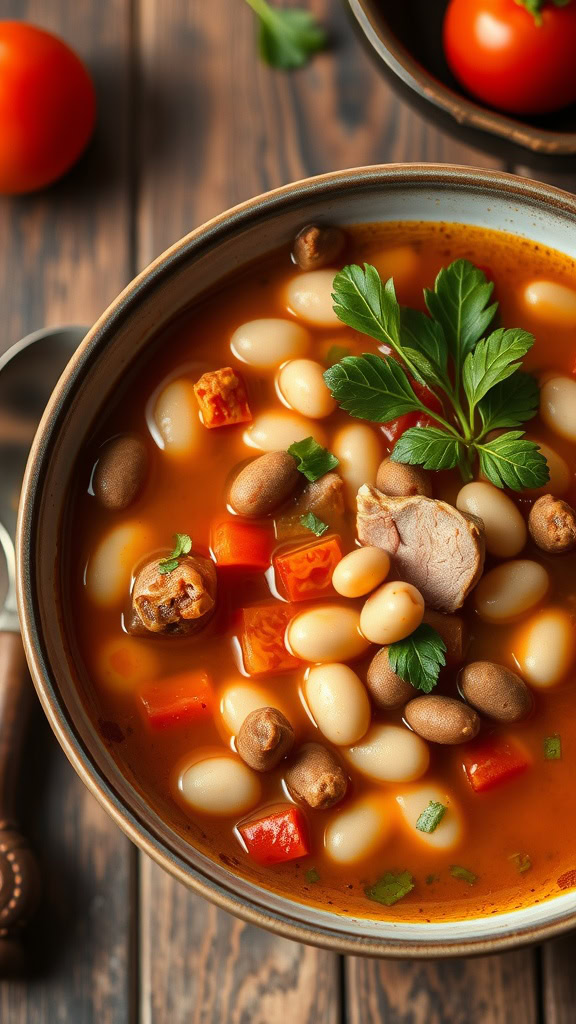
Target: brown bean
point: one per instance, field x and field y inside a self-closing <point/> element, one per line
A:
<point x="453" y="632"/>
<point x="120" y="472"/>
<point x="316" y="777"/>
<point x="264" y="484"/>
<point x="442" y="719"/>
<point x="265" y="737"/>
<point x="397" y="480"/>
<point x="496" y="691"/>
<point x="552" y="524"/>
<point x="316" y="246"/>
<point x="386" y="689"/>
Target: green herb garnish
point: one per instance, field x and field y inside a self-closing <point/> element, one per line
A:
<point x="553" y="748"/>
<point x="475" y="376"/>
<point x="311" y="522"/>
<point x="419" y="657"/>
<point x="463" y="875"/>
<point x="534" y="7"/>
<point x="182" y="546"/>
<point x="312" y="876"/>
<point x="313" y="460"/>
<point x="390" y="888"/>
<point x="288" y="36"/>
<point x="431" y="817"/>
<point x="521" y="862"/>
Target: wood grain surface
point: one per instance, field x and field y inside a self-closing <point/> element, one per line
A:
<point x="190" y="123"/>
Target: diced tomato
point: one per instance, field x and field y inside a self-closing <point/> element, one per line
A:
<point x="279" y="836"/>
<point x="395" y="428"/>
<point x="242" y="544"/>
<point x="262" y="639"/>
<point x="493" y="761"/>
<point x="306" y="572"/>
<point x="186" y="697"/>
<point x="222" y="398"/>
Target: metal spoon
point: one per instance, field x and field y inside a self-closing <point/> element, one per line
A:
<point x="28" y="373"/>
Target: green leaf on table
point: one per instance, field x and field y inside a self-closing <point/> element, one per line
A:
<point x="311" y="522"/>
<point x="313" y="460"/>
<point x="289" y="36"/>
<point x="372" y="388"/>
<point x="493" y="360"/>
<point x="512" y="461"/>
<point x="424" y="342"/>
<point x="429" y="447"/>
<point x="419" y="657"/>
<point x="361" y="301"/>
<point x="460" y="303"/>
<point x="431" y="817"/>
<point x="390" y="888"/>
<point x="510" y="403"/>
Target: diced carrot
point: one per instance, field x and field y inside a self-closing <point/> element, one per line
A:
<point x="493" y="761"/>
<point x="262" y="639"/>
<point x="222" y="398"/>
<point x="242" y="544"/>
<point x="186" y="697"/>
<point x="306" y="572"/>
<point x="277" y="837"/>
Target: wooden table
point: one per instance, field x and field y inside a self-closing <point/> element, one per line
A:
<point x="190" y="123"/>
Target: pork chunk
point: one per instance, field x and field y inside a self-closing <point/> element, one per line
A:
<point x="431" y="544"/>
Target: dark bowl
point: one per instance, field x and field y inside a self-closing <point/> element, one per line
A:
<point x="407" y="39"/>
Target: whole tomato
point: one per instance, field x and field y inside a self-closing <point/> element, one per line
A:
<point x="47" y="107"/>
<point x="516" y="55"/>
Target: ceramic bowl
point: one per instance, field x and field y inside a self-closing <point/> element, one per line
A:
<point x="197" y="262"/>
<point x="407" y="40"/>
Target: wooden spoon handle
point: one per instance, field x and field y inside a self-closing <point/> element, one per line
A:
<point x="19" y="877"/>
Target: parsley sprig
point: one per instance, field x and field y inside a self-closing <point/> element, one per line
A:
<point x="182" y="546"/>
<point x="288" y="36"/>
<point x="475" y="375"/>
<point x="419" y="657"/>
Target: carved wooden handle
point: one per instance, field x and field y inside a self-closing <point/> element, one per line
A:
<point x="19" y="878"/>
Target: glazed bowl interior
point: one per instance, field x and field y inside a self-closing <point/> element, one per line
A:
<point x="194" y="265"/>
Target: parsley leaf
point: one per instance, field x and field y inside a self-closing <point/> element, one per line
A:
<point x="553" y="748"/>
<point x="372" y="388"/>
<point x="459" y="303"/>
<point x="182" y="546"/>
<point x="506" y="406"/>
<point x="493" y="360"/>
<point x="361" y="301"/>
<point x="426" y="344"/>
<point x="288" y="36"/>
<point x="390" y="888"/>
<point x="311" y="522"/>
<point x="312" y="876"/>
<point x="521" y="862"/>
<point x="428" y="447"/>
<point x="431" y="817"/>
<point x="313" y="460"/>
<point x="419" y="657"/>
<point x="463" y="875"/>
<point x="511" y="461"/>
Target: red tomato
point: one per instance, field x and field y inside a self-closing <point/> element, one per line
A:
<point x="47" y="107"/>
<point x="395" y="428"/>
<point x="492" y="761"/>
<point x="511" y="59"/>
<point x="280" y="836"/>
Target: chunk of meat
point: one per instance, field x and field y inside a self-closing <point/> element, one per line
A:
<point x="431" y="544"/>
<point x="180" y="601"/>
<point x="222" y="398"/>
<point x="324" y="497"/>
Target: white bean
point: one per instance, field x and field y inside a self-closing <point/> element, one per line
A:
<point x="339" y="703"/>
<point x="309" y="296"/>
<point x="505" y="529"/>
<point x="560" y="475"/>
<point x="269" y="342"/>
<point x="558" y="406"/>
<point x="448" y="833"/>
<point x="390" y="753"/>
<point x="177" y="419"/>
<point x="545" y="649"/>
<point x="301" y="384"/>
<point x="360" y="571"/>
<point x="359" y="450"/>
<point x="220" y="786"/>
<point x="511" y="589"/>
<point x="551" y="302"/>
<point x="392" y="612"/>
<point x="239" y="700"/>
<point x="358" y="831"/>
<point x="326" y="633"/>
<point x="275" y="431"/>
<point x="110" y="567"/>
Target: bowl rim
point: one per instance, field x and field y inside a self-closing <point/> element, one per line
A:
<point x="225" y="225"/>
<point x="463" y="109"/>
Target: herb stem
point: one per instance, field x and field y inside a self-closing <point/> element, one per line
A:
<point x="262" y="9"/>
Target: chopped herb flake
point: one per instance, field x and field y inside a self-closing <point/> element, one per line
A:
<point x="311" y="522"/>
<point x="313" y="460"/>
<point x="312" y="876"/>
<point x="463" y="875"/>
<point x="390" y="888"/>
<point x="419" y="658"/>
<point x="553" y="748"/>
<point x="182" y="546"/>
<point x="521" y="862"/>
<point x="431" y="817"/>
